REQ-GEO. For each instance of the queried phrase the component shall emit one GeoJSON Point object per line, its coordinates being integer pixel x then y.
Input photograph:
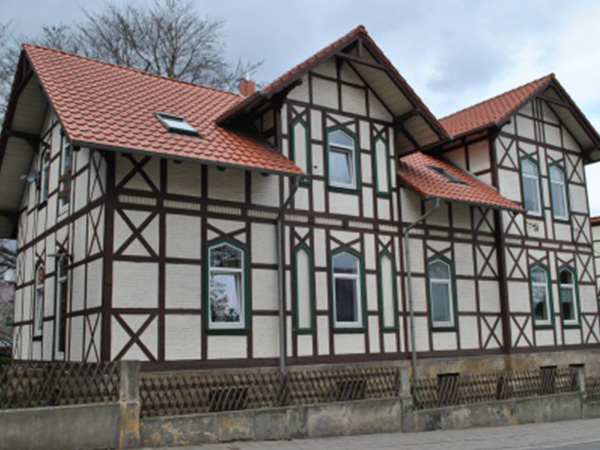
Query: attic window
{"type": "Point", "coordinates": [447, 175]}
{"type": "Point", "coordinates": [176, 124]}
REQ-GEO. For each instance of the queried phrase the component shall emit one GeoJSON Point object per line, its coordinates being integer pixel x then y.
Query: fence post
{"type": "Point", "coordinates": [578, 372]}
{"type": "Point", "coordinates": [406, 401]}
{"type": "Point", "coordinates": [129, 404]}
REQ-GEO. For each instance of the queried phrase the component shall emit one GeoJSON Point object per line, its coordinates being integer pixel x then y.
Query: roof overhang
{"type": "Point", "coordinates": [368, 62]}
{"type": "Point", "coordinates": [19, 141]}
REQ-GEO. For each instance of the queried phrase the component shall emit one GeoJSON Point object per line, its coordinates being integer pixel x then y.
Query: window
{"type": "Point", "coordinates": [347, 290]}
{"type": "Point", "coordinates": [62, 296]}
{"type": "Point", "coordinates": [568, 297]}
{"type": "Point", "coordinates": [532, 201]}
{"type": "Point", "coordinates": [342, 159]}
{"type": "Point", "coordinates": [300, 145]}
{"type": "Point", "coordinates": [440, 279]}
{"type": "Point", "coordinates": [44, 176]}
{"type": "Point", "coordinates": [388, 303]}
{"type": "Point", "coordinates": [447, 175]}
{"type": "Point", "coordinates": [38, 308]}
{"type": "Point", "coordinates": [226, 284]}
{"type": "Point", "coordinates": [176, 124]}
{"type": "Point", "coordinates": [303, 289]}
{"type": "Point", "coordinates": [558, 193]}
{"type": "Point", "coordinates": [65, 175]}
{"type": "Point", "coordinates": [540, 296]}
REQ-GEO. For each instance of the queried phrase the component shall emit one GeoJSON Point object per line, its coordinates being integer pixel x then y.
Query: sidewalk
{"type": "Point", "coordinates": [578, 434]}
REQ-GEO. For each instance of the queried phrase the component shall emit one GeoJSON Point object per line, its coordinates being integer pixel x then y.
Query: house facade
{"type": "Point", "coordinates": [193, 228]}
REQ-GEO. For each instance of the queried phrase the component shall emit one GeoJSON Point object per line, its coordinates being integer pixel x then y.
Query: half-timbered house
{"type": "Point", "coordinates": [328, 217]}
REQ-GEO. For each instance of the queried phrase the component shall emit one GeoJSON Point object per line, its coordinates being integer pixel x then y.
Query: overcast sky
{"type": "Point", "coordinates": [453, 53]}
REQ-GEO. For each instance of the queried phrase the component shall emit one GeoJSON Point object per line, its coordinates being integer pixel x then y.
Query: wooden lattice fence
{"type": "Point", "coordinates": [37, 383]}
{"type": "Point", "coordinates": [200, 392]}
{"type": "Point", "coordinates": [463, 389]}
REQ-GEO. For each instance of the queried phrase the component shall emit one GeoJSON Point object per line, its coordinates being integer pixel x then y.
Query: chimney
{"type": "Point", "coordinates": [247, 86]}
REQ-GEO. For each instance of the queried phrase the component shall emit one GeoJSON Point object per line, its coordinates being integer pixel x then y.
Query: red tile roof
{"type": "Point", "coordinates": [415, 172]}
{"type": "Point", "coordinates": [493, 110]}
{"type": "Point", "coordinates": [106, 105]}
{"type": "Point", "coordinates": [595, 220]}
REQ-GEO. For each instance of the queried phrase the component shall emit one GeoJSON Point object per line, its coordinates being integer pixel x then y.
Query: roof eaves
{"type": "Point", "coordinates": [212, 162]}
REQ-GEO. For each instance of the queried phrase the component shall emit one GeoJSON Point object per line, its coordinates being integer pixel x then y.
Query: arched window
{"type": "Point", "coordinates": [342, 159]}
{"type": "Point", "coordinates": [558, 193]}
{"type": "Point", "coordinates": [226, 286]}
{"type": "Point", "coordinates": [540, 296]}
{"type": "Point", "coordinates": [440, 288]}
{"type": "Point", "coordinates": [65, 175]}
{"type": "Point", "coordinates": [38, 307]}
{"type": "Point", "coordinates": [62, 304]}
{"type": "Point", "coordinates": [569, 304]}
{"type": "Point", "coordinates": [347, 290]}
{"type": "Point", "coordinates": [44, 176]}
{"type": "Point", "coordinates": [530, 180]}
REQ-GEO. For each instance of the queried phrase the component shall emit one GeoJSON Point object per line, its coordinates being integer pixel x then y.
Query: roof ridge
{"type": "Point", "coordinates": [550, 76]}
{"type": "Point", "coordinates": [131, 69]}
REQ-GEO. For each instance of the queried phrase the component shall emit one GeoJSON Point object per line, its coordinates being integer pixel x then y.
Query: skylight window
{"type": "Point", "coordinates": [176, 124]}
{"type": "Point", "coordinates": [447, 175]}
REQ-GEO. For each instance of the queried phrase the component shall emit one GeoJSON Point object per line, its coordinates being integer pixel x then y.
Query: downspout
{"type": "Point", "coordinates": [294, 183]}
{"type": "Point", "coordinates": [436, 205]}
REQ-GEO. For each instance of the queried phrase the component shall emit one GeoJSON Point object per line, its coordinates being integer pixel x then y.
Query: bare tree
{"type": "Point", "coordinates": [167, 38]}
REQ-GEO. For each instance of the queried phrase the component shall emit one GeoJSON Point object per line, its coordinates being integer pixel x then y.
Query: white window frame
{"type": "Point", "coordinates": [38, 306]}
{"type": "Point", "coordinates": [573, 287]}
{"type": "Point", "coordinates": [562, 185]}
{"type": "Point", "coordinates": [348, 150]}
{"type": "Point", "coordinates": [545, 285]}
{"type": "Point", "coordinates": [535, 178]}
{"type": "Point", "coordinates": [241, 324]}
{"type": "Point", "coordinates": [449, 283]}
{"type": "Point", "coordinates": [357, 277]}
{"type": "Point", "coordinates": [65, 200]}
{"type": "Point", "coordinates": [44, 176]}
{"type": "Point", "coordinates": [62, 282]}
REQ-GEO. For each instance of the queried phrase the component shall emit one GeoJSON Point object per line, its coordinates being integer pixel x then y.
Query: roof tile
{"type": "Point", "coordinates": [415, 171]}
{"type": "Point", "coordinates": [493, 110]}
{"type": "Point", "coordinates": [103, 104]}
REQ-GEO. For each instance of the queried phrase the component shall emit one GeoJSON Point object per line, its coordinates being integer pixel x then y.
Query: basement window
{"type": "Point", "coordinates": [176, 124]}
{"type": "Point", "coordinates": [447, 175]}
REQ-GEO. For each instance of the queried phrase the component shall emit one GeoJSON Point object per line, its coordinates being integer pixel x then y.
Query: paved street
{"type": "Point", "coordinates": [573, 435]}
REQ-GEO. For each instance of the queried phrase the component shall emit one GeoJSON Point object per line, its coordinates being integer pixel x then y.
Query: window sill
{"type": "Point", "coordinates": [37, 338]}
{"type": "Point", "coordinates": [226, 331]}
{"type": "Point", "coordinates": [564, 221]}
{"type": "Point", "coordinates": [63, 210]}
{"type": "Point", "coordinates": [544, 326]}
{"type": "Point", "coordinates": [42, 205]}
{"type": "Point", "coordinates": [349, 330]}
{"type": "Point", "coordinates": [344, 190]}
{"type": "Point", "coordinates": [444, 329]}
{"type": "Point", "coordinates": [571, 326]}
{"type": "Point", "coordinates": [304, 331]}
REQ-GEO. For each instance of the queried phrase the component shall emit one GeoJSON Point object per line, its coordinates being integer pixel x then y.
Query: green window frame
{"type": "Point", "coordinates": [299, 122]}
{"type": "Point", "coordinates": [393, 292]}
{"type": "Point", "coordinates": [241, 280]}
{"type": "Point", "coordinates": [434, 282]}
{"type": "Point", "coordinates": [538, 183]}
{"type": "Point", "coordinates": [378, 189]}
{"type": "Point", "coordinates": [565, 192]}
{"type": "Point", "coordinates": [565, 286]}
{"type": "Point", "coordinates": [343, 326]}
{"type": "Point", "coordinates": [303, 248]}
{"type": "Point", "coordinates": [536, 283]}
{"type": "Point", "coordinates": [354, 158]}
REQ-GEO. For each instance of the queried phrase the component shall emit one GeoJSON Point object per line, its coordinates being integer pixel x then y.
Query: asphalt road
{"type": "Point", "coordinates": [572, 435]}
